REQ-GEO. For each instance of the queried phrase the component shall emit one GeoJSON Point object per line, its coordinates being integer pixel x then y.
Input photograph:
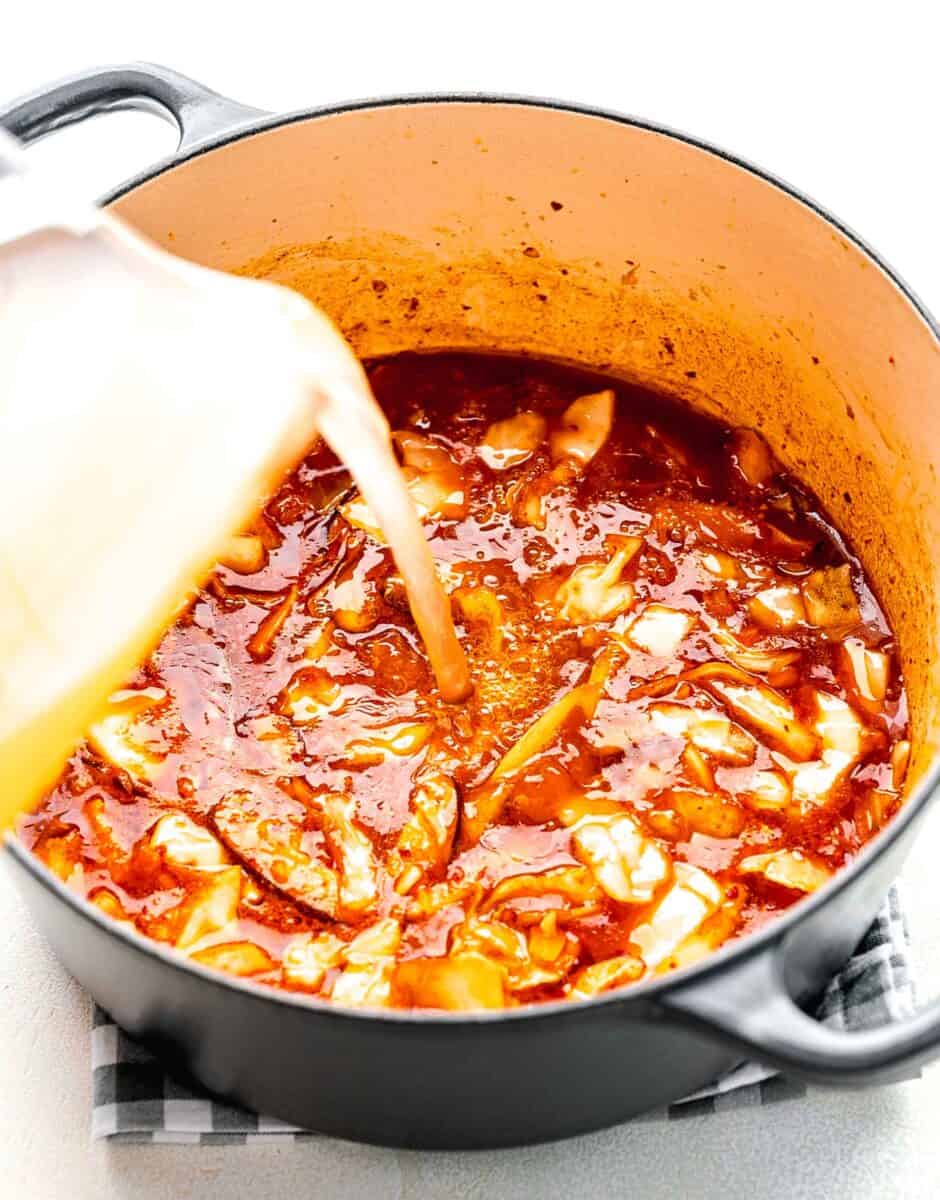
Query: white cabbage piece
{"type": "Point", "coordinates": [235, 958]}
{"type": "Point", "coordinates": [778, 608]}
{"type": "Point", "coordinates": [660, 630]}
{"type": "Point", "coordinates": [210, 908]}
{"type": "Point", "coordinates": [594, 592]}
{"type": "Point", "coordinates": [628, 866]}
{"type": "Point", "coordinates": [604, 975]}
{"type": "Point", "coordinates": [842, 735]}
{"type": "Point", "coordinates": [432, 478]}
{"type": "Point", "coordinates": [426, 838]}
{"type": "Point", "coordinates": [509, 949]}
{"type": "Point", "coordinates": [584, 427]}
{"type": "Point", "coordinates": [307, 959]}
{"type": "Point", "coordinates": [115, 738]}
{"type": "Point", "coordinates": [757, 706]}
{"type": "Point", "coordinates": [767, 791]}
{"type": "Point", "coordinates": [186, 844]}
{"type": "Point", "coordinates": [352, 852]}
{"type": "Point", "coordinates": [511, 442]}
{"type": "Point", "coordinates": [712, 732]}
{"type": "Point", "coordinates": [366, 981]}
{"type": "Point", "coordinates": [869, 670]}
{"type": "Point", "coordinates": [692, 899]}
{"type": "Point", "coordinates": [457, 983]}
{"type": "Point", "coordinates": [789, 868]}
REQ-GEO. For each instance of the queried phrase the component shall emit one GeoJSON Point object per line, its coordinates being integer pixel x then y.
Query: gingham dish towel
{"type": "Point", "coordinates": [137, 1100]}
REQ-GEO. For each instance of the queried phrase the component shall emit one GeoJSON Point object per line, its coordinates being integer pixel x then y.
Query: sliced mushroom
{"type": "Point", "coordinates": [276, 845]}
{"type": "Point", "coordinates": [830, 599]}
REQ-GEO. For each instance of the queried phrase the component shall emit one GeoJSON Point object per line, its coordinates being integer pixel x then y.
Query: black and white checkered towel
{"type": "Point", "coordinates": [136, 1100]}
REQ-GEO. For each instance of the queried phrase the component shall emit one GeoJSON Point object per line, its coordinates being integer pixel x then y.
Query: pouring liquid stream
{"type": "Point", "coordinates": [148, 408]}
{"type": "Point", "coordinates": [365, 449]}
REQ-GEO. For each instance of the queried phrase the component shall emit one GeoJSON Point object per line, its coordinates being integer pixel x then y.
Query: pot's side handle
{"type": "Point", "coordinates": [196, 111]}
{"type": "Point", "coordinates": [748, 1004]}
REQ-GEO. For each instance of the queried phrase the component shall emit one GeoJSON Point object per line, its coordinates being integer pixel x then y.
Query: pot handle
{"type": "Point", "coordinates": [197, 112]}
{"type": "Point", "coordinates": [749, 1005]}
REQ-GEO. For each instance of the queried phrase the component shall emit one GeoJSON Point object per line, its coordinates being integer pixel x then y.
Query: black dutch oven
{"type": "Point", "coordinates": [665, 261]}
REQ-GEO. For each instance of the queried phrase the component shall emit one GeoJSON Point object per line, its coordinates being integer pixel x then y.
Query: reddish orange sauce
{"type": "Point", "coordinates": [721, 717]}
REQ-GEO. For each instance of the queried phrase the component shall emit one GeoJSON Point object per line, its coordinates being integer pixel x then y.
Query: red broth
{"type": "Point", "coordinates": [688, 711]}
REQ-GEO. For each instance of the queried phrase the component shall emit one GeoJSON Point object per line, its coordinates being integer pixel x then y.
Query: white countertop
{"type": "Point", "coordinates": [844, 110]}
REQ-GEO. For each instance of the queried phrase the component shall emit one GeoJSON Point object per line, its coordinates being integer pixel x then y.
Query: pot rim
{"type": "Point", "coordinates": [762, 941]}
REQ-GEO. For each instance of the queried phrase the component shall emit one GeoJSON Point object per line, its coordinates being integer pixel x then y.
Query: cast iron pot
{"type": "Point", "coordinates": [527, 225]}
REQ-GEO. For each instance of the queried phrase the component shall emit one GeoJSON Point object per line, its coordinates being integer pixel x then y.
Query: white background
{"type": "Point", "coordinates": [840, 100]}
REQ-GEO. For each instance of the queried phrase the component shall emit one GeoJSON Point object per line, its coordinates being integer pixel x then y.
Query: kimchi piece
{"type": "Point", "coordinates": [688, 712]}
